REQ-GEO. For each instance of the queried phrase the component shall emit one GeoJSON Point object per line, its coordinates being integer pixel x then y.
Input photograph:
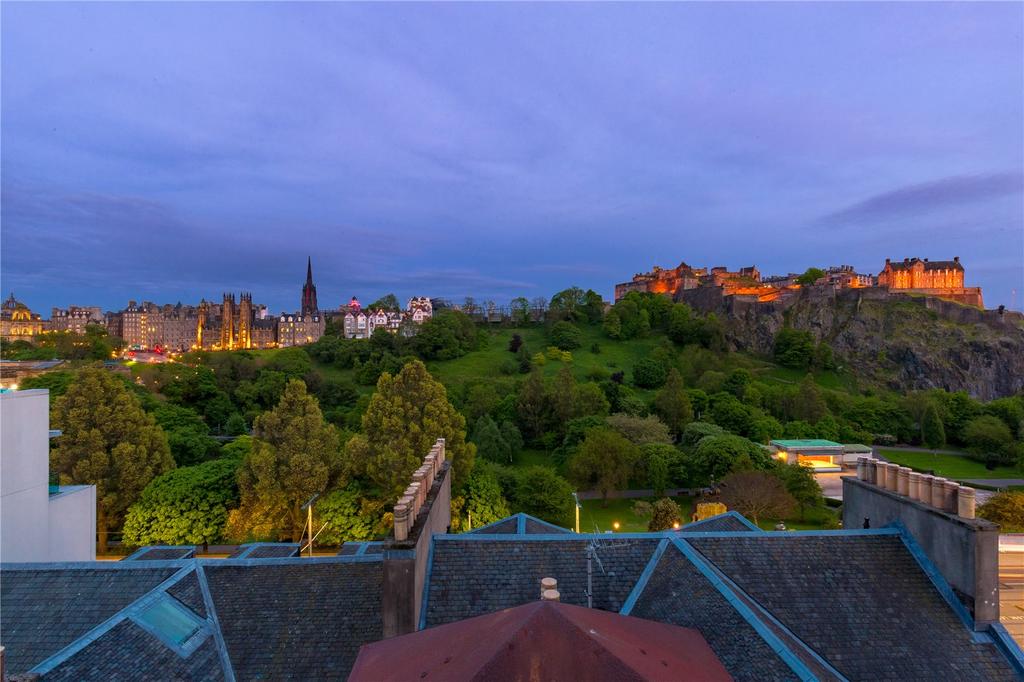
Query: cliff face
{"type": "Point", "coordinates": [894, 340]}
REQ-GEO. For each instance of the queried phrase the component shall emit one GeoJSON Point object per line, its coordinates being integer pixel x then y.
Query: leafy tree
{"type": "Point", "coordinates": [236, 425]}
{"type": "Point", "coordinates": [334, 392]}
{"type": "Point", "coordinates": [510, 434]}
{"type": "Point", "coordinates": [683, 327]}
{"type": "Point", "coordinates": [1006, 509]}
{"type": "Point", "coordinates": [694, 432]}
{"type": "Point", "coordinates": [757, 494]}
{"type": "Point", "coordinates": [520, 308]}
{"type": "Point", "coordinates": [731, 414]}
{"type": "Point", "coordinates": [295, 455]}
{"type": "Point", "coordinates": [808, 402]}
{"type": "Point", "coordinates": [794, 348]}
{"type": "Point", "coordinates": [659, 459]}
{"type": "Point", "coordinates": [188, 505]}
{"type": "Point", "coordinates": [406, 415]}
{"type": "Point", "coordinates": [823, 358]}
{"type": "Point", "coordinates": [187, 434]}
{"type": "Point", "coordinates": [665, 514]}
{"type": "Point", "coordinates": [386, 302]}
{"type": "Point", "coordinates": [107, 441]}
{"type": "Point", "coordinates": [648, 373]}
{"type": "Point", "coordinates": [543, 493]}
{"type": "Point", "coordinates": [612, 324]}
{"type": "Point", "coordinates": [566, 336]}
{"type": "Point", "coordinates": [293, 362]}
{"type": "Point", "coordinates": [480, 501]}
{"type": "Point", "coordinates": [737, 382]}
{"type": "Point", "coordinates": [986, 436]}
{"type": "Point", "coordinates": [532, 406]}
{"type": "Point", "coordinates": [672, 404]}
{"type": "Point", "coordinates": [716, 456]}
{"type": "Point", "coordinates": [603, 462]}
{"type": "Point", "coordinates": [810, 276]}
{"type": "Point", "coordinates": [56, 383]}
{"type": "Point", "coordinates": [933, 434]}
{"type": "Point", "coordinates": [640, 430]}
{"type": "Point", "coordinates": [447, 335]}
{"type": "Point", "coordinates": [569, 304]}
{"type": "Point", "coordinates": [489, 442]}
{"type": "Point", "coordinates": [481, 399]}
{"type": "Point", "coordinates": [800, 483]}
{"type": "Point", "coordinates": [515, 343]}
{"type": "Point", "coordinates": [351, 514]}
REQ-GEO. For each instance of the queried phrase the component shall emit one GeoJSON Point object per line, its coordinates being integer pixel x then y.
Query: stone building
{"type": "Point", "coordinates": [74, 319]}
{"type": "Point", "coordinates": [662, 281]}
{"type": "Point", "coordinates": [942, 279]}
{"type": "Point", "coordinates": [17, 322]}
{"type": "Point", "coordinates": [298, 330]}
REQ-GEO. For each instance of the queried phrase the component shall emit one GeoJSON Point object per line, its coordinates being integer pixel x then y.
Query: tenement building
{"type": "Point", "coordinates": [940, 278]}
{"type": "Point", "coordinates": [75, 318]}
{"type": "Point", "coordinates": [908, 592]}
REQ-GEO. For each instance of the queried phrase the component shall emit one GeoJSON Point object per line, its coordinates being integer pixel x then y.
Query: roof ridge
{"type": "Point", "coordinates": [211, 616]}
{"type": "Point", "coordinates": [707, 569]}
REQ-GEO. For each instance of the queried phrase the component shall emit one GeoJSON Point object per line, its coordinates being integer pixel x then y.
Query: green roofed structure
{"type": "Point", "coordinates": [822, 455]}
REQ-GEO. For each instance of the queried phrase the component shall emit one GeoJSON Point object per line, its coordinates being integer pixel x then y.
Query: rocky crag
{"type": "Point", "coordinates": [899, 341]}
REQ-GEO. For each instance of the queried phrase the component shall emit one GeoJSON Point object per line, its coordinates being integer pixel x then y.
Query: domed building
{"type": "Point", "coordinates": [17, 322]}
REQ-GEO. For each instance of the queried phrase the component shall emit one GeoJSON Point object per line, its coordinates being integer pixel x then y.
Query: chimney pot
{"type": "Point", "coordinates": [965, 502]}
{"type": "Point", "coordinates": [914, 488]}
{"type": "Point", "coordinates": [551, 595]}
{"type": "Point", "coordinates": [892, 472]}
{"type": "Point", "coordinates": [547, 584]}
{"type": "Point", "coordinates": [903, 481]}
{"type": "Point", "coordinates": [949, 503]}
{"type": "Point", "coordinates": [872, 470]}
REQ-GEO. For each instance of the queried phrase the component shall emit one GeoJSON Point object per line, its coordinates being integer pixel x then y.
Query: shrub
{"type": "Point", "coordinates": [648, 373]}
{"type": "Point", "coordinates": [566, 336]}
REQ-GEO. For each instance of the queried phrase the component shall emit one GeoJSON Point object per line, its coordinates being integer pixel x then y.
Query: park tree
{"type": "Point", "coordinates": [481, 399]}
{"type": "Point", "coordinates": [799, 482]}
{"type": "Point", "coordinates": [351, 513]}
{"type": "Point", "coordinates": [665, 514]}
{"type": "Point", "coordinates": [639, 430]}
{"type": "Point", "coordinates": [672, 404]}
{"type": "Point", "coordinates": [294, 456]}
{"type": "Point", "coordinates": [107, 441]}
{"type": "Point", "coordinates": [794, 348]}
{"type": "Point", "coordinates": [406, 415]}
{"type": "Point", "coordinates": [603, 462]}
{"type": "Point", "coordinates": [520, 308]}
{"type": "Point", "coordinates": [649, 373]}
{"type": "Point", "coordinates": [808, 404]}
{"type": "Point", "coordinates": [694, 432]}
{"type": "Point", "coordinates": [56, 383]}
{"type": "Point", "coordinates": [532, 405]}
{"type": "Point", "coordinates": [757, 494]}
{"type": "Point", "coordinates": [986, 436]}
{"type": "Point", "coordinates": [187, 505]}
{"type": "Point", "coordinates": [933, 434]}
{"type": "Point", "coordinates": [716, 456]}
{"type": "Point", "coordinates": [612, 324]}
{"type": "Point", "coordinates": [566, 336]}
{"type": "Point", "coordinates": [1006, 509]}
{"type": "Point", "coordinates": [386, 302]}
{"type": "Point", "coordinates": [659, 459]}
{"type": "Point", "coordinates": [569, 305]}
{"type": "Point", "coordinates": [490, 444]}
{"type": "Point", "coordinates": [479, 502]}
{"type": "Point", "coordinates": [543, 493]}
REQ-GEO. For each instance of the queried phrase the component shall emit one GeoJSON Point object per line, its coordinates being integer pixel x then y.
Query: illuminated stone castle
{"type": "Point", "coordinates": [17, 322]}
{"type": "Point", "coordinates": [942, 279]}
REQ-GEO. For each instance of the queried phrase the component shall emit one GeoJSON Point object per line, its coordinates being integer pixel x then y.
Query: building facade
{"type": "Point", "coordinates": [75, 319]}
{"type": "Point", "coordinates": [942, 279]}
{"type": "Point", "coordinates": [18, 323]}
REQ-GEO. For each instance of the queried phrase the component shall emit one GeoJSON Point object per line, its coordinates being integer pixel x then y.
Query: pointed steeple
{"type": "Point", "coordinates": [309, 271]}
{"type": "Point", "coordinates": [309, 306]}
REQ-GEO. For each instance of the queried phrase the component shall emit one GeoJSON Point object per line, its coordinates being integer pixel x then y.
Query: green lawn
{"type": "Point", "coordinates": [829, 379]}
{"type": "Point", "coordinates": [953, 467]}
{"type": "Point", "coordinates": [814, 519]}
{"type": "Point", "coordinates": [594, 514]}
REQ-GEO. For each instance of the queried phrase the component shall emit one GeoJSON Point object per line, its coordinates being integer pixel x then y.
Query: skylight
{"type": "Point", "coordinates": [171, 621]}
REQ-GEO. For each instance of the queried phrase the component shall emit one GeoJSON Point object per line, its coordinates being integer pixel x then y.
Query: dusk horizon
{"type": "Point", "coordinates": [174, 152]}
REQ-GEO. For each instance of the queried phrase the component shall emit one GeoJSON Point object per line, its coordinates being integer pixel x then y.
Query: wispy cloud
{"type": "Point", "coordinates": [926, 196]}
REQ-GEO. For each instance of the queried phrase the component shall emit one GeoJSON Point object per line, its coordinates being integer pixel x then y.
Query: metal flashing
{"type": "Point", "coordinates": [641, 583]}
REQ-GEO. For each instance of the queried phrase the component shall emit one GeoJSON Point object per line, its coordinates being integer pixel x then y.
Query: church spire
{"type": "Point", "coordinates": [309, 306]}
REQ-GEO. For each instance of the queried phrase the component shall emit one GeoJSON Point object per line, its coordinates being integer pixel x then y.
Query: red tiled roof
{"type": "Point", "coordinates": [543, 640]}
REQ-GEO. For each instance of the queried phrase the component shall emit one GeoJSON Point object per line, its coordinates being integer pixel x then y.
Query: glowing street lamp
{"type": "Point", "coordinates": [615, 525]}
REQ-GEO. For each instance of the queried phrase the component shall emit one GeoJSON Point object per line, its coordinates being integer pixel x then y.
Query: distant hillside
{"type": "Point", "coordinates": [896, 340]}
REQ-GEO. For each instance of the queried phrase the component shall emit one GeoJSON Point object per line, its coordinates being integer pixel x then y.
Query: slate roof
{"type": "Point", "coordinates": [291, 618]}
{"type": "Point", "coordinates": [361, 549]}
{"type": "Point", "coordinates": [729, 521]}
{"type": "Point", "coordinates": [519, 524]}
{"type": "Point", "coordinates": [474, 575]}
{"type": "Point", "coordinates": [296, 619]}
{"type": "Point", "coordinates": [159, 553]}
{"type": "Point", "coordinates": [45, 609]}
{"type": "Point", "coordinates": [861, 601]}
{"type": "Point", "coordinates": [266, 550]}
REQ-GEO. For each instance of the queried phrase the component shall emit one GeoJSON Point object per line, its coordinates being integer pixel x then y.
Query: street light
{"type": "Point", "coordinates": [576, 504]}
{"type": "Point", "coordinates": [615, 525]}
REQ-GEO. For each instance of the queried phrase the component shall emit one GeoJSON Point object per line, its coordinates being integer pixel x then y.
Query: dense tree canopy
{"type": "Point", "coordinates": [603, 462]}
{"type": "Point", "coordinates": [406, 415]}
{"type": "Point", "coordinates": [107, 441]}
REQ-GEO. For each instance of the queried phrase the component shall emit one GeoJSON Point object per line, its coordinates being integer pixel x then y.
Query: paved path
{"type": "Point", "coordinates": [630, 494]}
{"type": "Point", "coordinates": [996, 482]}
{"type": "Point", "coordinates": [908, 448]}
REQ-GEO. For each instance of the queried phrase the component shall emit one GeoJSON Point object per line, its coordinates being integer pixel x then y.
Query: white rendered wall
{"type": "Point", "coordinates": [33, 525]}
{"type": "Point", "coordinates": [72, 528]}
{"type": "Point", "coordinates": [24, 470]}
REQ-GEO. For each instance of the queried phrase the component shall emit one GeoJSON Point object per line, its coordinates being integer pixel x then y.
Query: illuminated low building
{"type": "Point", "coordinates": [821, 455]}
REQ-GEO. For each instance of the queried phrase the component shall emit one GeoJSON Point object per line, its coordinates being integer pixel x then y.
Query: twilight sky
{"type": "Point", "coordinates": [172, 151]}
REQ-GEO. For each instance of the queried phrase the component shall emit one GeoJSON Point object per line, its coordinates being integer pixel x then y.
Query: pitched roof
{"type": "Point", "coordinates": [543, 640]}
{"type": "Point", "coordinates": [475, 574]}
{"type": "Point", "coordinates": [214, 619]}
{"type": "Point", "coordinates": [161, 553]}
{"type": "Point", "coordinates": [519, 524]}
{"type": "Point", "coordinates": [729, 521]}
{"type": "Point", "coordinates": [266, 550]}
